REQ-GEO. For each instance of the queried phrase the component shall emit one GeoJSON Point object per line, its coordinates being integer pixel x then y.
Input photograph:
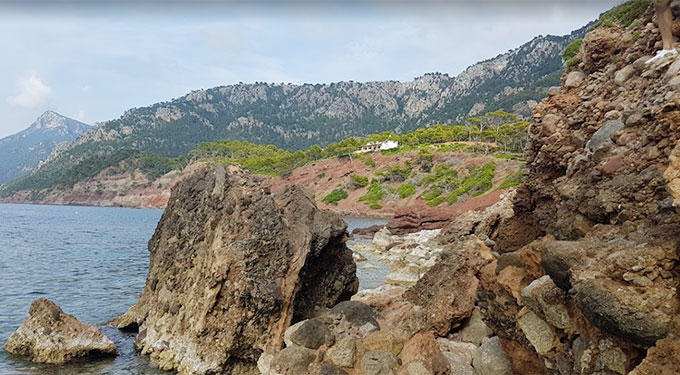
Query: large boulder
{"type": "Point", "coordinates": [232, 267]}
{"type": "Point", "coordinates": [49, 335]}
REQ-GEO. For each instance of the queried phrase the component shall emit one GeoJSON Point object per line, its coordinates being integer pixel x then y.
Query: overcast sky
{"type": "Point", "coordinates": [93, 62]}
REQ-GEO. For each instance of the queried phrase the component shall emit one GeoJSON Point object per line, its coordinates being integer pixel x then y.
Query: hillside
{"type": "Point", "coordinates": [20, 153]}
{"type": "Point", "coordinates": [441, 167]}
{"type": "Point", "coordinates": [296, 117]}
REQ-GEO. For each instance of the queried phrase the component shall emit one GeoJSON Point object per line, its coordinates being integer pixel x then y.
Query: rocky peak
{"type": "Point", "coordinates": [52, 121]}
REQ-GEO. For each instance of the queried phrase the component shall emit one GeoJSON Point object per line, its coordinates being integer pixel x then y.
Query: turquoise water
{"type": "Point", "coordinates": [92, 262]}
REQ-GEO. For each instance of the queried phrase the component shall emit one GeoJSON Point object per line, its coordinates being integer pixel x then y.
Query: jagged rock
{"type": "Point", "coordinates": [231, 267]}
{"type": "Point", "coordinates": [448, 291]}
{"type": "Point", "coordinates": [491, 359]}
{"type": "Point", "coordinates": [597, 291]}
{"type": "Point", "coordinates": [49, 335]}
{"type": "Point", "coordinates": [423, 349]}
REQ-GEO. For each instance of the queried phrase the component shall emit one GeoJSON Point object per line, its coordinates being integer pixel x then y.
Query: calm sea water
{"type": "Point", "coordinates": [93, 263]}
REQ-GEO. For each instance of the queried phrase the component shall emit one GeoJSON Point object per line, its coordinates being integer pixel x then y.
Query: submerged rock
{"type": "Point", "coordinates": [49, 335]}
{"type": "Point", "coordinates": [232, 267]}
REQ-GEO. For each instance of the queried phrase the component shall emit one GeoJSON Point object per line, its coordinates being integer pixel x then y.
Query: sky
{"type": "Point", "coordinates": [93, 60]}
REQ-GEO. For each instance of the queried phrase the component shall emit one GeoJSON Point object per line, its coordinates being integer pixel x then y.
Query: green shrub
{"type": "Point", "coordinates": [321, 175]}
{"type": "Point", "coordinates": [406, 190]}
{"type": "Point", "coordinates": [398, 173]}
{"type": "Point", "coordinates": [357, 181]}
{"type": "Point", "coordinates": [511, 181]}
{"type": "Point", "coordinates": [375, 205]}
{"type": "Point", "coordinates": [426, 160]}
{"type": "Point", "coordinates": [572, 49]}
{"type": "Point", "coordinates": [624, 14]}
{"type": "Point", "coordinates": [445, 186]}
{"type": "Point", "coordinates": [335, 196]}
{"type": "Point", "coordinates": [369, 161]}
{"type": "Point", "coordinates": [374, 194]}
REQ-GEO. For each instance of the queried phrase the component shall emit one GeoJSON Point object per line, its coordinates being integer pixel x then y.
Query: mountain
{"type": "Point", "coordinates": [298, 116]}
{"type": "Point", "coordinates": [20, 153]}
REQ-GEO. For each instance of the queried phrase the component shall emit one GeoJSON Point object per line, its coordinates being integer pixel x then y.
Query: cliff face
{"type": "Point", "coordinates": [232, 266]}
{"type": "Point", "coordinates": [588, 283]}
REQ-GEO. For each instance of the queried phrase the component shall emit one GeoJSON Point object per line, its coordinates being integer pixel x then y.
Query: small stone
{"type": "Point", "coordinates": [475, 330]}
{"type": "Point", "coordinates": [264, 363]}
{"type": "Point", "coordinates": [292, 361]}
{"type": "Point", "coordinates": [379, 363]}
{"type": "Point", "coordinates": [574, 79]}
{"type": "Point", "coordinates": [343, 353]}
{"type": "Point", "coordinates": [624, 74]}
{"type": "Point", "coordinates": [383, 341]}
{"type": "Point", "coordinates": [311, 334]}
{"type": "Point", "coordinates": [538, 332]}
{"type": "Point", "coordinates": [491, 359]}
{"type": "Point", "coordinates": [327, 369]}
{"type": "Point", "coordinates": [463, 351]}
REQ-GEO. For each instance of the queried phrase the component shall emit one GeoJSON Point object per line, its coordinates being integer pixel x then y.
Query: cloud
{"type": "Point", "coordinates": [81, 115]}
{"type": "Point", "coordinates": [33, 93]}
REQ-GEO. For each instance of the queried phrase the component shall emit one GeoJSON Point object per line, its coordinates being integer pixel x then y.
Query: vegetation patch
{"type": "Point", "coordinates": [406, 190]}
{"type": "Point", "coordinates": [511, 181]}
{"type": "Point", "coordinates": [335, 196]}
{"type": "Point", "coordinates": [624, 14]}
{"type": "Point", "coordinates": [444, 185]}
{"type": "Point", "coordinates": [374, 195]}
{"type": "Point", "coordinates": [357, 181]}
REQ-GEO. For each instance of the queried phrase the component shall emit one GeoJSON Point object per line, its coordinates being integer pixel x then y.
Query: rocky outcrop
{"type": "Point", "coordinates": [49, 335]}
{"type": "Point", "coordinates": [588, 283]}
{"type": "Point", "coordinates": [232, 267]}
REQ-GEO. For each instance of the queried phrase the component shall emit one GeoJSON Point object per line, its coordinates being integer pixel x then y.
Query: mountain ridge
{"type": "Point", "coordinates": [296, 117]}
{"type": "Point", "coordinates": [22, 152]}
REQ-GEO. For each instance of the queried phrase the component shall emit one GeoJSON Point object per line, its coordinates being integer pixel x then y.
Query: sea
{"type": "Point", "coordinates": [92, 262]}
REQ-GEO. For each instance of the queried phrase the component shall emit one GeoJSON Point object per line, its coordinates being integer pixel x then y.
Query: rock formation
{"type": "Point", "coordinates": [232, 267]}
{"type": "Point", "coordinates": [584, 276]}
{"type": "Point", "coordinates": [49, 335]}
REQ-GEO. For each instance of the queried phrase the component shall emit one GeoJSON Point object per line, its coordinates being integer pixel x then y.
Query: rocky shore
{"type": "Point", "coordinates": [576, 272]}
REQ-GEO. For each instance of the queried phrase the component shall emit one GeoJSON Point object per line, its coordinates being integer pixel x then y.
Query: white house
{"type": "Point", "coordinates": [379, 146]}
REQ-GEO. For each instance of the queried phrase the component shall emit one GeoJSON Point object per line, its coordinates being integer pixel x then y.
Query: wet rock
{"type": "Point", "coordinates": [491, 359]}
{"type": "Point", "coordinates": [238, 277]}
{"type": "Point", "coordinates": [49, 335]}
